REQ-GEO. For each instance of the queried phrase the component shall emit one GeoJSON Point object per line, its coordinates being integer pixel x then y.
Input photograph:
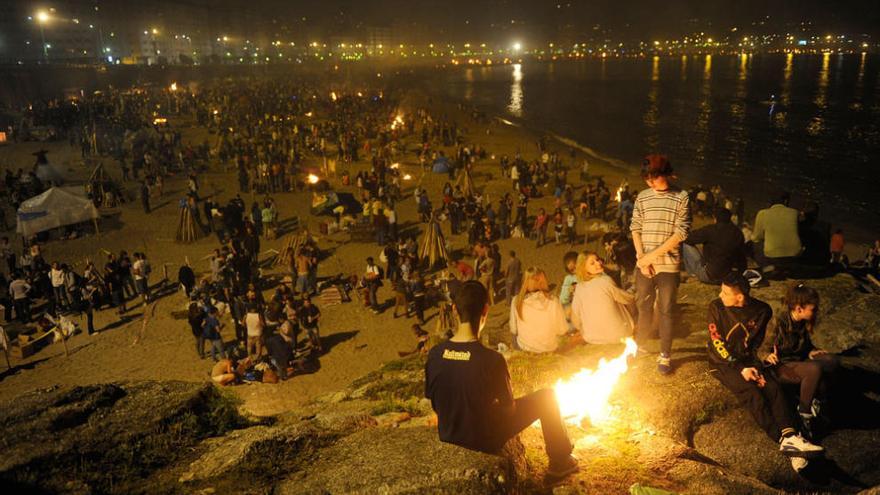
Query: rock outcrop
{"type": "Point", "coordinates": [682, 433]}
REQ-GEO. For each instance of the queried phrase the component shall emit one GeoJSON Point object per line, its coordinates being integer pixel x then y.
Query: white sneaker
{"type": "Point", "coordinates": [799, 464]}
{"type": "Point", "coordinates": [797, 446]}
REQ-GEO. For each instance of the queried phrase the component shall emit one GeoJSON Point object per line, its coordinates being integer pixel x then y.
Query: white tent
{"type": "Point", "coordinates": [54, 208]}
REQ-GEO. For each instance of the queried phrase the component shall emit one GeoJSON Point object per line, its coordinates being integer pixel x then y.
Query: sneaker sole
{"type": "Point", "coordinates": [562, 474]}
{"type": "Point", "coordinates": [812, 454]}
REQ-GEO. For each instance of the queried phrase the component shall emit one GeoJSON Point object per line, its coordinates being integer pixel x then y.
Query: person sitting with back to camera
{"type": "Point", "coordinates": [469, 388]}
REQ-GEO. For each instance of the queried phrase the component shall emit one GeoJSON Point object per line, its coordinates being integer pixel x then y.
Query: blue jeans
{"type": "Point", "coordinates": [694, 264]}
{"type": "Point", "coordinates": [217, 348]}
{"type": "Point", "coordinates": [663, 288]}
{"type": "Point", "coordinates": [302, 283]}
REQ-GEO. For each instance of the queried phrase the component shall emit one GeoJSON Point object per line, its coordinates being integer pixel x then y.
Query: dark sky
{"type": "Point", "coordinates": [490, 20]}
{"type": "Point", "coordinates": [654, 18]}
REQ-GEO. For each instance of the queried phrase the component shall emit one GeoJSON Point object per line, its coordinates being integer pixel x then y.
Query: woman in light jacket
{"type": "Point", "coordinates": [599, 309]}
{"type": "Point", "coordinates": [536, 316]}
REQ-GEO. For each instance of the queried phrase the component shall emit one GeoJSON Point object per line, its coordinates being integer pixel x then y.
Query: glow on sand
{"type": "Point", "coordinates": [585, 395]}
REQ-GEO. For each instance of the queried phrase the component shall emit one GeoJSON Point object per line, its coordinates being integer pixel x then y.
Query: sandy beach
{"type": "Point", "coordinates": [356, 340]}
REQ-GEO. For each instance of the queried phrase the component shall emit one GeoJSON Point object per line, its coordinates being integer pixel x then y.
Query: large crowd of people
{"type": "Point", "coordinates": [267, 131]}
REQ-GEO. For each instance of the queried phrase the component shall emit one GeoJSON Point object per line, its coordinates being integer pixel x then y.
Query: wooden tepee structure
{"type": "Point", "coordinates": [188, 230]}
{"type": "Point", "coordinates": [466, 183]}
{"type": "Point", "coordinates": [292, 242]}
{"type": "Point", "coordinates": [433, 248]}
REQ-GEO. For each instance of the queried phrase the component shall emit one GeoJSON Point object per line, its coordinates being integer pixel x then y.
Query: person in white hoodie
{"type": "Point", "coordinates": [599, 308]}
{"type": "Point", "coordinates": [536, 316]}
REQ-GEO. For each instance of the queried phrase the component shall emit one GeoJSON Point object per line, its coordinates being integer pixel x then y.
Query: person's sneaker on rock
{"type": "Point", "coordinates": [796, 445]}
{"type": "Point", "coordinates": [563, 467]}
{"type": "Point", "coordinates": [664, 364]}
{"type": "Point", "coordinates": [799, 464]}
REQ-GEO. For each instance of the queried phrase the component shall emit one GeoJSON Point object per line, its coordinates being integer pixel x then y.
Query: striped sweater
{"type": "Point", "coordinates": [658, 215]}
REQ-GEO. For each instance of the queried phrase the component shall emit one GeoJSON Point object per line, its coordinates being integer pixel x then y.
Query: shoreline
{"type": "Point", "coordinates": [858, 239]}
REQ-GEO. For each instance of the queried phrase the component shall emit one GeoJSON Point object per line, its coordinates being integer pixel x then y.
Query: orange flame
{"type": "Point", "coordinates": [585, 395]}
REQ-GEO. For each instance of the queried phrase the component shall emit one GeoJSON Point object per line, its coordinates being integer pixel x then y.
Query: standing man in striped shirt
{"type": "Point", "coordinates": [660, 223]}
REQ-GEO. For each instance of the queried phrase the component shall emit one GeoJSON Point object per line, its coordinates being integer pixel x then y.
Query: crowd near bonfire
{"type": "Point", "coordinates": [358, 155]}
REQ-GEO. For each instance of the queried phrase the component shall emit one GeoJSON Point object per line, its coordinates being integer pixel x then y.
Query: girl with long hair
{"type": "Point", "coordinates": [536, 316]}
{"type": "Point", "coordinates": [599, 309]}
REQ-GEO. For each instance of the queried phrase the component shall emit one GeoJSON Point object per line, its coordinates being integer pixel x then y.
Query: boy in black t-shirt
{"type": "Point", "coordinates": [469, 388]}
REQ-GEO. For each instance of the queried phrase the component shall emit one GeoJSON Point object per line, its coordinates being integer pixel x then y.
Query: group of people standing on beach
{"type": "Point", "coordinates": [264, 131]}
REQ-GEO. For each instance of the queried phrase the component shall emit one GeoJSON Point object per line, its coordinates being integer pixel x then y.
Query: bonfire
{"type": "Point", "coordinates": [584, 396]}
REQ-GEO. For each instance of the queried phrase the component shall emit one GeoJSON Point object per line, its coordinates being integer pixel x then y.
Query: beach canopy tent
{"type": "Point", "coordinates": [441, 165]}
{"type": "Point", "coordinates": [54, 208]}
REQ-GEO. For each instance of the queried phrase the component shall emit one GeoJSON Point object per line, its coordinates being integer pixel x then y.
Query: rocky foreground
{"type": "Point", "coordinates": [681, 433]}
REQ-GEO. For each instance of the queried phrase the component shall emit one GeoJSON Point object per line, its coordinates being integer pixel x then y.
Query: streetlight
{"type": "Point", "coordinates": [43, 18]}
{"type": "Point", "coordinates": [517, 46]}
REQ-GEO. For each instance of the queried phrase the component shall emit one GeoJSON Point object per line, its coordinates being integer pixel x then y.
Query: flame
{"type": "Point", "coordinates": [174, 86]}
{"type": "Point", "coordinates": [395, 166]}
{"type": "Point", "coordinates": [617, 196]}
{"type": "Point", "coordinates": [308, 114]}
{"type": "Point", "coordinates": [333, 95]}
{"type": "Point", "coordinates": [407, 177]}
{"type": "Point", "coordinates": [159, 120]}
{"type": "Point", "coordinates": [313, 179]}
{"type": "Point", "coordinates": [216, 112]}
{"type": "Point", "coordinates": [398, 122]}
{"type": "Point", "coordinates": [585, 395]}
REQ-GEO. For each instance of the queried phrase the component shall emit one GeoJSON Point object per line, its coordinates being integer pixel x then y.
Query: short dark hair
{"type": "Point", "coordinates": [569, 257]}
{"type": "Point", "coordinates": [737, 282]}
{"type": "Point", "coordinates": [469, 301]}
{"type": "Point", "coordinates": [655, 165]}
{"type": "Point", "coordinates": [722, 215]}
{"type": "Point", "coordinates": [782, 197]}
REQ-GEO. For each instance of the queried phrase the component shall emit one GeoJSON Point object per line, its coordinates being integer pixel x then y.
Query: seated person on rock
{"type": "Point", "coordinates": [737, 325]}
{"type": "Point", "coordinates": [797, 360]}
{"type": "Point", "coordinates": [600, 309]}
{"type": "Point", "coordinates": [775, 236]}
{"type": "Point", "coordinates": [223, 372]}
{"type": "Point", "coordinates": [723, 249]}
{"type": "Point", "coordinates": [469, 388]}
{"type": "Point", "coordinates": [537, 319]}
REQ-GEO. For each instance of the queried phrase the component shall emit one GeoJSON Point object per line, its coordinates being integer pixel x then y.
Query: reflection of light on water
{"type": "Point", "coordinates": [705, 113]}
{"type": "Point", "coordinates": [651, 117]}
{"type": "Point", "coordinates": [469, 83]}
{"type": "Point", "coordinates": [516, 93]}
{"type": "Point", "coordinates": [860, 80]}
{"type": "Point", "coordinates": [684, 66]}
{"type": "Point", "coordinates": [821, 100]}
{"type": "Point", "coordinates": [817, 125]}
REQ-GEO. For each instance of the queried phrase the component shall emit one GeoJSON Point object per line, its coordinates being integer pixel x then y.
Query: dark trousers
{"type": "Point", "coordinates": [767, 404]}
{"type": "Point", "coordinates": [663, 288]}
{"type": "Point", "coordinates": [90, 319]}
{"type": "Point", "coordinates": [810, 375]}
{"type": "Point", "coordinates": [23, 309]}
{"type": "Point", "coordinates": [542, 405]}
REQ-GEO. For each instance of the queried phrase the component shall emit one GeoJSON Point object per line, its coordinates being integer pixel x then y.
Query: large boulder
{"type": "Point", "coordinates": [107, 438]}
{"type": "Point", "coordinates": [401, 461]}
